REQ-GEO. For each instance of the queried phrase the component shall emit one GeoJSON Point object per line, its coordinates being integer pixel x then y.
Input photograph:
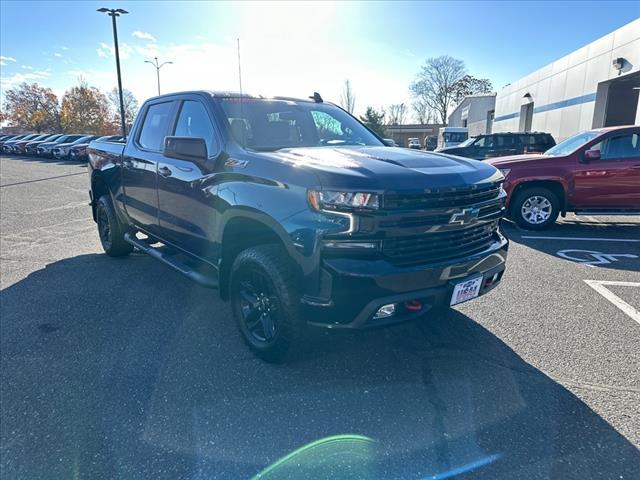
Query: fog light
{"type": "Point", "coordinates": [385, 311]}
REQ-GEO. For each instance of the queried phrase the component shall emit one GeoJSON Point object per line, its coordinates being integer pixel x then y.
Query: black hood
{"type": "Point", "coordinates": [386, 169]}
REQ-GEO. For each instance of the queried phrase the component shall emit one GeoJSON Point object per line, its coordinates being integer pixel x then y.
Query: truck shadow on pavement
{"type": "Point", "coordinates": [606, 246]}
{"type": "Point", "coordinates": [123, 369]}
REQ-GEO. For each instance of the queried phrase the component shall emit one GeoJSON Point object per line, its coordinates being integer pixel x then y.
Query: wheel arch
{"type": "Point", "coordinates": [555, 185]}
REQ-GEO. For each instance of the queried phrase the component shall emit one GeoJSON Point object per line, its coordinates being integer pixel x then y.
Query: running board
{"type": "Point", "coordinates": [183, 268]}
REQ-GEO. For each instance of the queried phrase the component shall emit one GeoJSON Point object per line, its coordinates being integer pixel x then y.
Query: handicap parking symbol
{"type": "Point", "coordinates": [589, 257]}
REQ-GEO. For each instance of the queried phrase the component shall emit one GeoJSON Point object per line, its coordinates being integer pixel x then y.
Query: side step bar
{"type": "Point", "coordinates": [174, 263]}
{"type": "Point", "coordinates": [607, 212]}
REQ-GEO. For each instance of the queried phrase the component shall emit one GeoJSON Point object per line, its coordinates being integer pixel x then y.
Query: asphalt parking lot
{"type": "Point", "coordinates": [121, 368]}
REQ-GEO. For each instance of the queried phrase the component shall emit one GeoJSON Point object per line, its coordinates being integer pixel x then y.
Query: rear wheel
{"type": "Point", "coordinates": [110, 230]}
{"type": "Point", "coordinates": [535, 208]}
{"type": "Point", "coordinates": [266, 303]}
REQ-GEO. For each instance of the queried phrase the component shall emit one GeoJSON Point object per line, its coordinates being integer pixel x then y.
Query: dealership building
{"type": "Point", "coordinates": [595, 86]}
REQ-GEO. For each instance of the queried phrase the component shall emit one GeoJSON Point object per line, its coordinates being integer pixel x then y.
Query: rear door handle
{"type": "Point", "coordinates": [635, 167]}
{"type": "Point", "coordinates": [164, 172]}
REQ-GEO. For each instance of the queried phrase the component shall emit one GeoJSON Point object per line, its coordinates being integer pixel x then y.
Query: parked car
{"type": "Point", "coordinates": [61, 150]}
{"type": "Point", "coordinates": [502, 144]}
{"type": "Point", "coordinates": [451, 136]}
{"type": "Point", "coordinates": [244, 196]}
{"type": "Point", "coordinates": [595, 172]}
{"type": "Point", "coordinates": [430, 143]}
{"type": "Point", "coordinates": [18, 148]}
{"type": "Point", "coordinates": [414, 143]}
{"type": "Point", "coordinates": [389, 142]}
{"type": "Point", "coordinates": [7, 146]}
{"type": "Point", "coordinates": [6, 138]}
{"type": "Point", "coordinates": [79, 151]}
{"type": "Point", "coordinates": [31, 147]}
{"type": "Point", "coordinates": [46, 149]}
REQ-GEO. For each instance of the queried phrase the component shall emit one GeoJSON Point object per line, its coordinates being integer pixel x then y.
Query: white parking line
{"type": "Point", "coordinates": [589, 239]}
{"type": "Point", "coordinates": [599, 286]}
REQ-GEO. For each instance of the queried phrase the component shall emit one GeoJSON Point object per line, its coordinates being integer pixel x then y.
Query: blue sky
{"type": "Point", "coordinates": [293, 48]}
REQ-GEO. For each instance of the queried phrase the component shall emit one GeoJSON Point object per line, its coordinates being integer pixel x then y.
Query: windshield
{"type": "Point", "coordinates": [571, 144]}
{"type": "Point", "coordinates": [468, 142]}
{"type": "Point", "coordinates": [455, 136]}
{"type": "Point", "coordinates": [274, 124]}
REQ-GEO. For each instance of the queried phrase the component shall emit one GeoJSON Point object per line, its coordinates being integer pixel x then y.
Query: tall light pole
{"type": "Point", "coordinates": [113, 13]}
{"type": "Point", "coordinates": [158, 67]}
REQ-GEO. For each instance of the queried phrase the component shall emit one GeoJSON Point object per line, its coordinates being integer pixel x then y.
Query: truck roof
{"type": "Point", "coordinates": [234, 94]}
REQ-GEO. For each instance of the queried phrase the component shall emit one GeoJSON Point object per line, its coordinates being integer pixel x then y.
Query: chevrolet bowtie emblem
{"type": "Point", "coordinates": [464, 217]}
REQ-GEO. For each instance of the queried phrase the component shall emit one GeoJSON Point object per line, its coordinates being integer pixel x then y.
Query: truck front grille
{"type": "Point", "coordinates": [442, 198]}
{"type": "Point", "coordinates": [441, 246]}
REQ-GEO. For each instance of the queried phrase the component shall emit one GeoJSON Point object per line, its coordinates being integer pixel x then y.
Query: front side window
{"type": "Point", "coordinates": [154, 128]}
{"type": "Point", "coordinates": [194, 121]}
{"type": "Point", "coordinates": [618, 147]}
{"type": "Point", "coordinates": [274, 124]}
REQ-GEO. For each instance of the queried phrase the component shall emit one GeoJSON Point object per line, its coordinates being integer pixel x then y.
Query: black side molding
{"type": "Point", "coordinates": [170, 260]}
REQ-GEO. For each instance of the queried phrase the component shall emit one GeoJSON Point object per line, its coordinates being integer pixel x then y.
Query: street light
{"type": "Point", "coordinates": [113, 13]}
{"type": "Point", "coordinates": [158, 67]}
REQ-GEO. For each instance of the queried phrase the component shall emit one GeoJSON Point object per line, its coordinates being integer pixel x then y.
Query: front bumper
{"type": "Point", "coordinates": [353, 290]}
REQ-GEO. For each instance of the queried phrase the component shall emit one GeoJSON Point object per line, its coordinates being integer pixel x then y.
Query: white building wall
{"type": "Point", "coordinates": [564, 91]}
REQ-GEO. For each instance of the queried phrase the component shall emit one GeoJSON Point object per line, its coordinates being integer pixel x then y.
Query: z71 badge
{"type": "Point", "coordinates": [232, 162]}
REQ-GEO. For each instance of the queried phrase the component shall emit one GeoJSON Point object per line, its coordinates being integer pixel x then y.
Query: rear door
{"type": "Point", "coordinates": [186, 214]}
{"type": "Point", "coordinates": [613, 180]}
{"type": "Point", "coordinates": [140, 162]}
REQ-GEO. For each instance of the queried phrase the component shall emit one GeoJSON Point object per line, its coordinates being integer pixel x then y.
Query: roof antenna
{"type": "Point", "coordinates": [316, 97]}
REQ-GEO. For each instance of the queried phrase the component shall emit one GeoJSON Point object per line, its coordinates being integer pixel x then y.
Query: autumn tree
{"type": "Point", "coordinates": [435, 84]}
{"type": "Point", "coordinates": [32, 107]}
{"type": "Point", "coordinates": [85, 109]}
{"type": "Point", "coordinates": [347, 97]}
{"type": "Point", "coordinates": [374, 120]}
{"type": "Point", "coordinates": [130, 107]}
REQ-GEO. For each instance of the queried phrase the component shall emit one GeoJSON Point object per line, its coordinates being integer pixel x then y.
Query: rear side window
{"type": "Point", "coordinates": [194, 121]}
{"type": "Point", "coordinates": [155, 125]}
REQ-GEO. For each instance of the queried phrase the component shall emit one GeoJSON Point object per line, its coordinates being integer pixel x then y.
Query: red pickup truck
{"type": "Point", "coordinates": [595, 172]}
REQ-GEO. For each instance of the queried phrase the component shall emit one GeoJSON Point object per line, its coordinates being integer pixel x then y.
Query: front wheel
{"type": "Point", "coordinates": [266, 303]}
{"type": "Point", "coordinates": [535, 208]}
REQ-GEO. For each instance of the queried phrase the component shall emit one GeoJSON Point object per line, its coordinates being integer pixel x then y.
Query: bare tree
{"type": "Point", "coordinates": [422, 112]}
{"type": "Point", "coordinates": [347, 97]}
{"type": "Point", "coordinates": [397, 114]}
{"type": "Point", "coordinates": [130, 106]}
{"type": "Point", "coordinates": [470, 85]}
{"type": "Point", "coordinates": [435, 83]}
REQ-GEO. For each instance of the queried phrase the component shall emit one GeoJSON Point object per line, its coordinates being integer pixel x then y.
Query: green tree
{"type": "Point", "coordinates": [32, 107]}
{"type": "Point", "coordinates": [374, 120]}
{"type": "Point", "coordinates": [85, 109]}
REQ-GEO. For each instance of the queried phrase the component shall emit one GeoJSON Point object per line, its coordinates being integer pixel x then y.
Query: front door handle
{"type": "Point", "coordinates": [635, 167]}
{"type": "Point", "coordinates": [164, 172]}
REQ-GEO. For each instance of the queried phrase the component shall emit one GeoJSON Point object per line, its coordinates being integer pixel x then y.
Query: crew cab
{"type": "Point", "coordinates": [297, 213]}
{"type": "Point", "coordinates": [593, 173]}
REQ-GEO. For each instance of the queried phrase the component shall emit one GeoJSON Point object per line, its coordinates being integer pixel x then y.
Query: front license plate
{"type": "Point", "coordinates": [466, 290]}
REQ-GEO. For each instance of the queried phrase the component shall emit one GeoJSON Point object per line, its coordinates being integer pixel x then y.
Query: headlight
{"type": "Point", "coordinates": [332, 200]}
{"type": "Point", "coordinates": [505, 171]}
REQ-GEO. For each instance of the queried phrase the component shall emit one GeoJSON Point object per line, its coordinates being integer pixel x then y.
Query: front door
{"type": "Point", "coordinates": [139, 165]}
{"type": "Point", "coordinates": [185, 208]}
{"type": "Point", "coordinates": [613, 180]}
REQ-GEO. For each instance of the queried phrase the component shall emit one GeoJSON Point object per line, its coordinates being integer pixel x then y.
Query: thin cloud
{"type": "Point", "coordinates": [18, 78]}
{"type": "Point", "coordinates": [27, 67]}
{"type": "Point", "coordinates": [144, 36]}
{"type": "Point", "coordinates": [105, 50]}
{"type": "Point", "coordinates": [4, 60]}
{"type": "Point", "coordinates": [57, 54]}
{"type": "Point", "coordinates": [64, 48]}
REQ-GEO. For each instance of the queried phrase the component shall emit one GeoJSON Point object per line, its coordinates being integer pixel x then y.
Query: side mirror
{"type": "Point", "coordinates": [185, 148]}
{"type": "Point", "coordinates": [591, 155]}
{"type": "Point", "coordinates": [389, 142]}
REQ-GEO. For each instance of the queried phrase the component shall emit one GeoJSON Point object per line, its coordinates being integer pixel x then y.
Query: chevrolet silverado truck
{"type": "Point", "coordinates": [593, 173]}
{"type": "Point", "coordinates": [297, 213]}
